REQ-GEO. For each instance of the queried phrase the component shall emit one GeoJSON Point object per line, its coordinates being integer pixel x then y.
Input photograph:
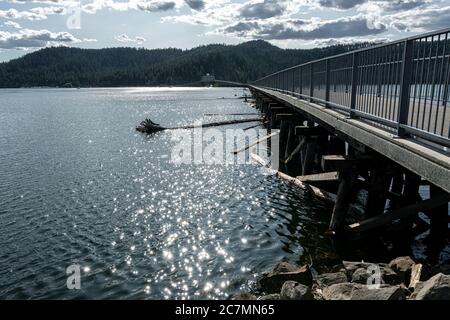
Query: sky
{"type": "Point", "coordinates": [29, 25]}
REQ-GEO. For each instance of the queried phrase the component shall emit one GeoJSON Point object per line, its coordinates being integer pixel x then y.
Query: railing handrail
{"type": "Point", "coordinates": [420, 63]}
{"type": "Point", "coordinates": [381, 45]}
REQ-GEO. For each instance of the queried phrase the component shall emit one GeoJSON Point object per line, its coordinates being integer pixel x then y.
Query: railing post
{"type": "Point", "coordinates": [327, 83]}
{"type": "Point", "coordinates": [286, 81]}
{"type": "Point", "coordinates": [301, 82]}
{"type": "Point", "coordinates": [355, 67]}
{"type": "Point", "coordinates": [293, 81]}
{"type": "Point", "coordinates": [311, 83]}
{"type": "Point", "coordinates": [407, 64]}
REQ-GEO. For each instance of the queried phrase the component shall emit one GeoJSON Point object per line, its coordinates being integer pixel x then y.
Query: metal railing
{"type": "Point", "coordinates": [403, 85]}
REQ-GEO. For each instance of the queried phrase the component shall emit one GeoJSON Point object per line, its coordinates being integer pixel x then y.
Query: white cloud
{"type": "Point", "coordinates": [27, 38]}
{"type": "Point", "coordinates": [144, 5]}
{"type": "Point", "coordinates": [275, 29]}
{"type": "Point", "coordinates": [125, 38]}
{"type": "Point", "coordinates": [275, 20]}
{"type": "Point", "coordinates": [15, 14]}
{"type": "Point", "coordinates": [12, 24]}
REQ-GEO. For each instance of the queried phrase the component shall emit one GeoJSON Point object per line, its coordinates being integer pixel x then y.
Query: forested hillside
{"type": "Point", "coordinates": [138, 67]}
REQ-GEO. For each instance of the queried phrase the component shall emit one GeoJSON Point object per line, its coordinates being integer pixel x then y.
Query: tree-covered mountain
{"type": "Point", "coordinates": [138, 67]}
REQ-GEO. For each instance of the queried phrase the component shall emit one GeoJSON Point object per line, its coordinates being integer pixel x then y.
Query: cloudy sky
{"type": "Point", "coordinates": [27, 25]}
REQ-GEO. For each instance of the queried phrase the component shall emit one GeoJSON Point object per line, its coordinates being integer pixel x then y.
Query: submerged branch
{"type": "Point", "coordinates": [148, 126]}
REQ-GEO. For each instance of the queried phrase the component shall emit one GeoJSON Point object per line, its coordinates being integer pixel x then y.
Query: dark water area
{"type": "Point", "coordinates": [78, 185]}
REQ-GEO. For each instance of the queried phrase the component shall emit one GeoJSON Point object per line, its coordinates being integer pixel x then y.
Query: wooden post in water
{"type": "Point", "coordinates": [347, 179]}
{"type": "Point", "coordinates": [288, 142]}
{"type": "Point", "coordinates": [284, 136]}
{"type": "Point", "coordinates": [336, 146]}
{"type": "Point", "coordinates": [378, 190]}
{"type": "Point", "coordinates": [397, 181]}
{"type": "Point", "coordinates": [292, 156]}
{"type": "Point", "coordinates": [410, 196]}
{"type": "Point", "coordinates": [309, 155]}
{"type": "Point", "coordinates": [438, 217]}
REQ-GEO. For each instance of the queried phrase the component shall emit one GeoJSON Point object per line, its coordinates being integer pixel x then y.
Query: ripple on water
{"type": "Point", "coordinates": [81, 187]}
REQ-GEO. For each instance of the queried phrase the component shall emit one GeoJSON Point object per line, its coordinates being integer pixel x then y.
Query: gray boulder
{"type": "Point", "coordinates": [356, 291]}
{"type": "Point", "coordinates": [292, 290]}
{"type": "Point", "coordinates": [387, 293]}
{"type": "Point", "coordinates": [243, 296]}
{"type": "Point", "coordinates": [362, 275]}
{"type": "Point", "coordinates": [403, 266]}
{"type": "Point", "coordinates": [328, 279]}
{"type": "Point", "coordinates": [273, 281]}
{"type": "Point", "coordinates": [416, 289]}
{"type": "Point", "coordinates": [274, 296]}
{"type": "Point", "coordinates": [350, 267]}
{"type": "Point", "coordinates": [339, 291]}
{"type": "Point", "coordinates": [436, 288]}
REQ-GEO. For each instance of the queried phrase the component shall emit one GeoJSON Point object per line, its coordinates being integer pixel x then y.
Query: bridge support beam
{"type": "Point", "coordinates": [438, 215]}
{"type": "Point", "coordinates": [347, 178]}
{"type": "Point", "coordinates": [378, 190]}
{"type": "Point", "coordinates": [368, 159]}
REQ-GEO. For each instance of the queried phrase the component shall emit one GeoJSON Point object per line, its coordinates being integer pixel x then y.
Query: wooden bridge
{"type": "Point", "coordinates": [214, 81]}
{"type": "Point", "coordinates": [372, 121]}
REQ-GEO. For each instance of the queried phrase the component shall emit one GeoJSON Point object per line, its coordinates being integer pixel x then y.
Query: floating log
{"type": "Point", "coordinates": [314, 190]}
{"type": "Point", "coordinates": [259, 160]}
{"type": "Point", "coordinates": [231, 114]}
{"type": "Point", "coordinates": [257, 125]}
{"type": "Point", "coordinates": [148, 126]}
{"type": "Point", "coordinates": [319, 193]}
{"type": "Point", "coordinates": [401, 213]}
{"type": "Point", "coordinates": [248, 146]}
{"type": "Point", "coordinates": [325, 195]}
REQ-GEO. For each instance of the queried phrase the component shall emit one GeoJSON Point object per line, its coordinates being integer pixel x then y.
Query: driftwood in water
{"type": "Point", "coordinates": [257, 125]}
{"type": "Point", "coordinates": [148, 126]}
{"type": "Point", "coordinates": [232, 114]}
{"type": "Point", "coordinates": [314, 190]}
{"type": "Point", "coordinates": [248, 146]}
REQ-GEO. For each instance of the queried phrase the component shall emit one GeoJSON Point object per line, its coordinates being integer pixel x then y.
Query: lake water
{"type": "Point", "coordinates": [79, 186]}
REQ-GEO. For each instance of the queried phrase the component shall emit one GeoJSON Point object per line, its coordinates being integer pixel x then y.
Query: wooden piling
{"type": "Point", "coordinates": [336, 146]}
{"type": "Point", "coordinates": [347, 179]}
{"type": "Point", "coordinates": [378, 190]}
{"type": "Point", "coordinates": [309, 156]}
{"type": "Point", "coordinates": [284, 136]}
{"type": "Point", "coordinates": [292, 159]}
{"type": "Point", "coordinates": [397, 186]}
{"type": "Point", "coordinates": [438, 216]}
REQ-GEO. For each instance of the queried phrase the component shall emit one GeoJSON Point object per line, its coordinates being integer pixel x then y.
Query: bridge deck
{"type": "Point", "coordinates": [428, 163]}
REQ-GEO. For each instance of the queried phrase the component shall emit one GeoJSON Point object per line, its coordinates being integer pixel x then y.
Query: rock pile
{"type": "Point", "coordinates": [401, 279]}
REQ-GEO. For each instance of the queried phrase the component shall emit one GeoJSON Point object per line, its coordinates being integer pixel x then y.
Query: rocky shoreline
{"type": "Point", "coordinates": [400, 279]}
